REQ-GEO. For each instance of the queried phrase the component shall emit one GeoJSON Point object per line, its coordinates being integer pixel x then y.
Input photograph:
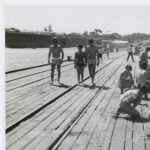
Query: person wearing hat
{"type": "Point", "coordinates": [57, 54]}
{"type": "Point", "coordinates": [130, 52]}
{"type": "Point", "coordinates": [92, 58]}
{"type": "Point", "coordinates": [80, 63]}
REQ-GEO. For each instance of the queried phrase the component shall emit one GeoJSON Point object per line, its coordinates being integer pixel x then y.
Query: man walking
{"type": "Point", "coordinates": [92, 55]}
{"type": "Point", "coordinates": [57, 54]}
{"type": "Point", "coordinates": [130, 52]}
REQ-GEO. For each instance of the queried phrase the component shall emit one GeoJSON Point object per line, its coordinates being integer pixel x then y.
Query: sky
{"type": "Point", "coordinates": [79, 17]}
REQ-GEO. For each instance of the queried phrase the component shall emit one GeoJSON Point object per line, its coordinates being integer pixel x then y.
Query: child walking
{"type": "Point", "coordinates": [126, 79]}
{"type": "Point", "coordinates": [79, 63]}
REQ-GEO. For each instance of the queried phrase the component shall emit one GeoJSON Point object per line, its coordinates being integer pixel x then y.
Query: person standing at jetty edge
{"type": "Point", "coordinates": [92, 54]}
{"type": "Point", "coordinates": [80, 62]}
{"type": "Point", "coordinates": [130, 52]}
{"type": "Point", "coordinates": [55, 50]}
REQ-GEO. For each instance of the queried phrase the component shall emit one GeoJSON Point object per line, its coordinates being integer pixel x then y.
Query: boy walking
{"type": "Point", "coordinates": [57, 54]}
{"type": "Point", "coordinates": [92, 55]}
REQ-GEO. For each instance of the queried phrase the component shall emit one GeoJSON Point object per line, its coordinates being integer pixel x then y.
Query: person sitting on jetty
{"type": "Point", "coordinates": [126, 80]}
{"type": "Point", "coordinates": [57, 58]}
{"type": "Point", "coordinates": [142, 76]}
{"type": "Point", "coordinates": [130, 99]}
{"type": "Point", "coordinates": [92, 55]}
{"type": "Point", "coordinates": [130, 52]}
{"type": "Point", "coordinates": [79, 63]}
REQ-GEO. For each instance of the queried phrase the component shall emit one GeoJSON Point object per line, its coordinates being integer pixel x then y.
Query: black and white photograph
{"type": "Point", "coordinates": [76, 75]}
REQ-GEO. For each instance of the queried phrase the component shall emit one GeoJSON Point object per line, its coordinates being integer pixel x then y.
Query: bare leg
{"type": "Point", "coordinates": [59, 72]}
{"type": "Point", "coordinates": [132, 57]}
{"type": "Point", "coordinates": [90, 72]}
{"type": "Point", "coordinates": [78, 74]}
{"type": "Point", "coordinates": [52, 72]}
{"type": "Point", "coordinates": [122, 90]}
{"type": "Point", "coordinates": [108, 55]}
{"type": "Point", "coordinates": [82, 74]}
{"type": "Point", "coordinates": [128, 56]}
{"type": "Point", "coordinates": [93, 67]}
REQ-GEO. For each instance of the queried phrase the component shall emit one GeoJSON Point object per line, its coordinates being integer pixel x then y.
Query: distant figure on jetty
{"type": "Point", "coordinates": [92, 55]}
{"type": "Point", "coordinates": [117, 49]}
{"type": "Point", "coordinates": [80, 62]}
{"type": "Point", "coordinates": [100, 53]}
{"type": "Point", "coordinates": [130, 52]}
{"type": "Point", "coordinates": [57, 54]}
{"type": "Point", "coordinates": [107, 52]}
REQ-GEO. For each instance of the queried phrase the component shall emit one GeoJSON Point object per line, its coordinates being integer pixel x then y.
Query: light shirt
{"type": "Point", "coordinates": [131, 49]}
{"type": "Point", "coordinates": [100, 51]}
{"type": "Point", "coordinates": [129, 97]}
{"type": "Point", "coordinates": [141, 77]}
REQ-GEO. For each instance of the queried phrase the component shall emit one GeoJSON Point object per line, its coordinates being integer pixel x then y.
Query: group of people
{"type": "Point", "coordinates": [90, 57]}
{"type": "Point", "coordinates": [133, 92]}
{"type": "Point", "coordinates": [130, 97]}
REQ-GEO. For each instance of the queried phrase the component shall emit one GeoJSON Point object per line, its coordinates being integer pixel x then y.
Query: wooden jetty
{"type": "Point", "coordinates": [41, 116]}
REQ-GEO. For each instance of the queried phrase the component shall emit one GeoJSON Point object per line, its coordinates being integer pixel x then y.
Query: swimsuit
{"type": "Point", "coordinates": [91, 61]}
{"type": "Point", "coordinates": [56, 61]}
{"type": "Point", "coordinates": [80, 56]}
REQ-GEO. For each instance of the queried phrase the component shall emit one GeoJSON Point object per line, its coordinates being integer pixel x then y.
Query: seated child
{"type": "Point", "coordinates": [130, 99]}
{"type": "Point", "coordinates": [80, 63]}
{"type": "Point", "coordinates": [126, 79]}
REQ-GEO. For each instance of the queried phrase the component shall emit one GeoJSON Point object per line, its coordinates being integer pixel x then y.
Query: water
{"type": "Point", "coordinates": [28, 57]}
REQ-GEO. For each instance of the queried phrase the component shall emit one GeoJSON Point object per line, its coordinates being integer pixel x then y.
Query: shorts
{"type": "Point", "coordinates": [56, 61]}
{"type": "Point", "coordinates": [80, 64]}
{"type": "Point", "coordinates": [100, 55]}
{"type": "Point", "coordinates": [91, 61]}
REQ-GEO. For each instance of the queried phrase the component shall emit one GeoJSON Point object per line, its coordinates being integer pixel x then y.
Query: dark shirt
{"type": "Point", "coordinates": [80, 57]}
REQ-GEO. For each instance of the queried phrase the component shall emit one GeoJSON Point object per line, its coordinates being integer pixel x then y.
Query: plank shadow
{"type": "Point", "coordinates": [95, 87]}
{"type": "Point", "coordinates": [138, 120]}
{"type": "Point", "coordinates": [131, 118]}
{"type": "Point", "coordinates": [61, 85]}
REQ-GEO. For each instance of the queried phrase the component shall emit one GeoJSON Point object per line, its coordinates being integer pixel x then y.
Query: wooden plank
{"type": "Point", "coordinates": [47, 142]}
{"type": "Point", "coordinates": [20, 74]}
{"type": "Point", "coordinates": [28, 103]}
{"type": "Point", "coordinates": [129, 134]}
{"type": "Point", "coordinates": [27, 80]}
{"type": "Point", "coordinates": [49, 112]}
{"type": "Point", "coordinates": [42, 127]}
{"type": "Point", "coordinates": [70, 139]}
